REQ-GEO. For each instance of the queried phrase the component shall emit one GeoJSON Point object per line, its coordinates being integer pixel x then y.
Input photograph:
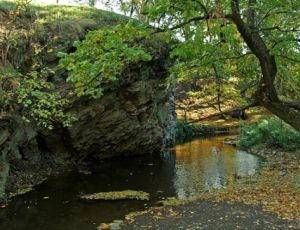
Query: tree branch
{"type": "Point", "coordinates": [202, 6]}
{"type": "Point", "coordinates": [295, 105]}
{"type": "Point", "coordinates": [189, 21]}
{"type": "Point", "coordinates": [225, 112]}
{"type": "Point", "coordinates": [288, 58]}
{"type": "Point", "coordinates": [251, 14]}
{"type": "Point", "coordinates": [280, 29]}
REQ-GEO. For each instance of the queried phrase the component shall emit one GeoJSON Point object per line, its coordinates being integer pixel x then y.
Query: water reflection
{"type": "Point", "coordinates": [188, 169]}
{"type": "Point", "coordinates": [203, 165]}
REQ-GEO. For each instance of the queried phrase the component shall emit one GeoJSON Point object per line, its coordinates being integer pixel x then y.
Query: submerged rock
{"type": "Point", "coordinates": [118, 195]}
{"type": "Point", "coordinates": [21, 192]}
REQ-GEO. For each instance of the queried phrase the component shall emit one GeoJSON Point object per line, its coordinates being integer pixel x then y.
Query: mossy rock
{"type": "Point", "coordinates": [118, 195]}
{"type": "Point", "coordinates": [170, 201]}
{"type": "Point", "coordinates": [21, 192]}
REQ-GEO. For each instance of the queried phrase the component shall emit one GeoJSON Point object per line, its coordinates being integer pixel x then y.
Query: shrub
{"type": "Point", "coordinates": [270, 132]}
{"type": "Point", "coordinates": [184, 130]}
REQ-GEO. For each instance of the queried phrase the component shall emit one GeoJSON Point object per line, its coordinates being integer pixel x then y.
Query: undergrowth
{"type": "Point", "coordinates": [186, 130]}
{"type": "Point", "coordinates": [271, 133]}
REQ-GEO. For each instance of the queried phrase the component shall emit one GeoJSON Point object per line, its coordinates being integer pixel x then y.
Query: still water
{"type": "Point", "coordinates": [186, 170]}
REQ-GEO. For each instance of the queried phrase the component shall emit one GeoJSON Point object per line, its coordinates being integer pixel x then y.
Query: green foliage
{"type": "Point", "coordinates": [102, 56]}
{"type": "Point", "coordinates": [272, 133]}
{"type": "Point", "coordinates": [185, 130]}
{"type": "Point", "coordinates": [57, 13]}
{"type": "Point", "coordinates": [8, 86]}
{"type": "Point", "coordinates": [41, 32]}
{"type": "Point", "coordinates": [33, 97]}
{"type": "Point", "coordinates": [209, 45]}
{"type": "Point", "coordinates": [30, 37]}
{"type": "Point", "coordinates": [46, 107]}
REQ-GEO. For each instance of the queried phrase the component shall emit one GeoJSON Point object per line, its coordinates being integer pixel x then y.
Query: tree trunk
{"type": "Point", "coordinates": [284, 112]}
{"type": "Point", "coordinates": [266, 94]}
{"type": "Point", "coordinates": [218, 84]}
{"type": "Point", "coordinates": [225, 113]}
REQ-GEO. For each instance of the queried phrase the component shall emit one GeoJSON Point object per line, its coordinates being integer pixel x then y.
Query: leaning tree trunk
{"type": "Point", "coordinates": [284, 112]}
{"type": "Point", "coordinates": [266, 94]}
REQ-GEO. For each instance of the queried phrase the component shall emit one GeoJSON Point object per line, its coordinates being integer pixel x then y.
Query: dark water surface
{"type": "Point", "coordinates": [184, 171]}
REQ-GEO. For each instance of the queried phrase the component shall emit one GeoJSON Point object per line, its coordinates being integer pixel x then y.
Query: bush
{"type": "Point", "coordinates": [184, 130]}
{"type": "Point", "coordinates": [271, 133]}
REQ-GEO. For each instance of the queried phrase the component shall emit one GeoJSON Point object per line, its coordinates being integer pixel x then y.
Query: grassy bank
{"type": "Point", "coordinates": [270, 132]}
{"type": "Point", "coordinates": [51, 13]}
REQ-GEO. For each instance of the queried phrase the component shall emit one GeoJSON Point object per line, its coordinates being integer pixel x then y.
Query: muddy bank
{"type": "Point", "coordinates": [276, 189]}
{"type": "Point", "coordinates": [269, 200]}
{"type": "Point", "coordinates": [209, 215]}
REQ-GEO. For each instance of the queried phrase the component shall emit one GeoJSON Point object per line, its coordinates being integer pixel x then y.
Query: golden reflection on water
{"type": "Point", "coordinates": [202, 165]}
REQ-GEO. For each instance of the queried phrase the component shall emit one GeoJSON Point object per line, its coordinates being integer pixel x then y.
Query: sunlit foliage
{"type": "Point", "coordinates": [102, 57]}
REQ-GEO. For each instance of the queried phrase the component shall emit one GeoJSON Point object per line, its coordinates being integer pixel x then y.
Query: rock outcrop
{"type": "Point", "coordinates": [135, 116]}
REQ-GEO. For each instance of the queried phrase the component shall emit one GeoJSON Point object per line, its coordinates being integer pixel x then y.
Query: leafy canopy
{"type": "Point", "coordinates": [253, 44]}
{"type": "Point", "coordinates": [207, 41]}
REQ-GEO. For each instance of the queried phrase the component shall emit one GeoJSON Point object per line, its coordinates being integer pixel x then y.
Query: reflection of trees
{"type": "Point", "coordinates": [207, 164]}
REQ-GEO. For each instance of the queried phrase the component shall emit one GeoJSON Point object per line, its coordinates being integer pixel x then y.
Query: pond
{"type": "Point", "coordinates": [184, 171]}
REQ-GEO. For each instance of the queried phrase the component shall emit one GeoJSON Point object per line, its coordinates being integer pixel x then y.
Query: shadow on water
{"type": "Point", "coordinates": [196, 166]}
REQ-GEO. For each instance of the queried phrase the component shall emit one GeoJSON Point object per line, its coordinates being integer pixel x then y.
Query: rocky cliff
{"type": "Point", "coordinates": [135, 115]}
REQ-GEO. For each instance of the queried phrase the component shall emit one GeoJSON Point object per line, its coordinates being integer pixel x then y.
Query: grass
{"type": "Point", "coordinates": [60, 12]}
{"type": "Point", "coordinates": [37, 33]}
